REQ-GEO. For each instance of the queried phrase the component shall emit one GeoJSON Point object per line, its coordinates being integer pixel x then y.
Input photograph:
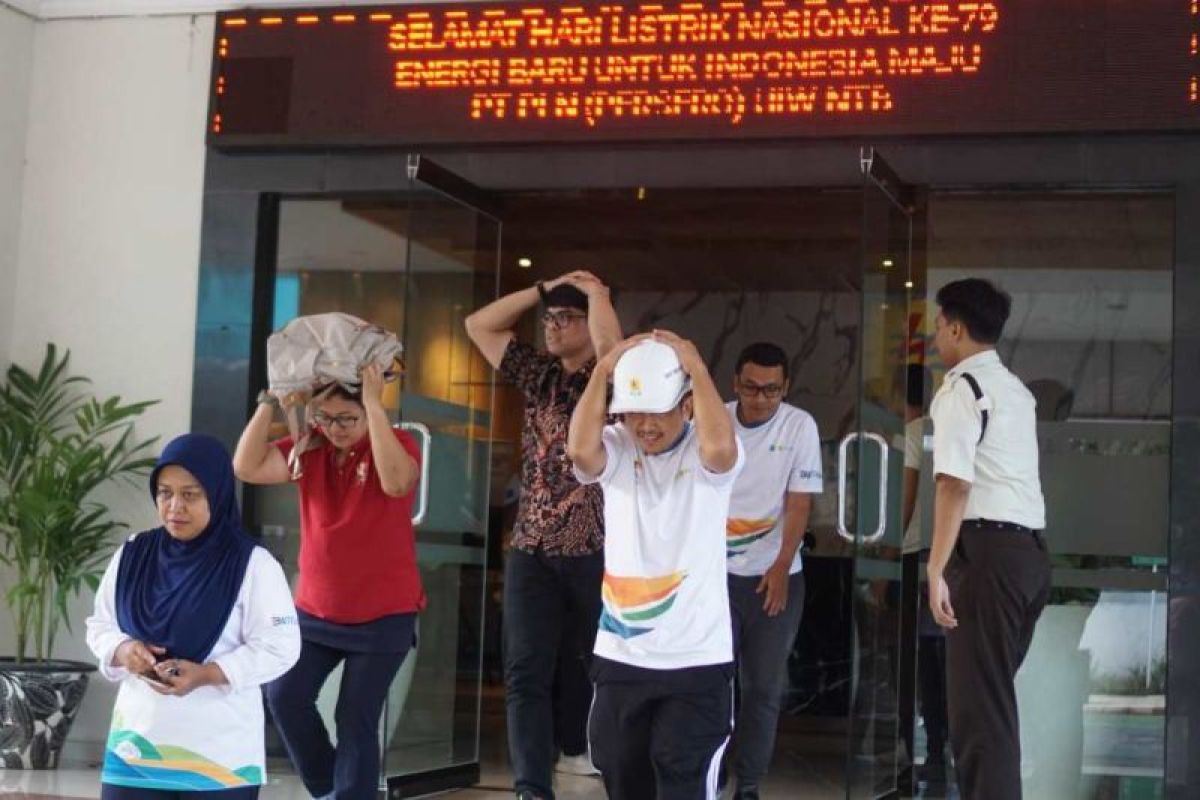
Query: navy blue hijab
{"type": "Point", "coordinates": [179, 594]}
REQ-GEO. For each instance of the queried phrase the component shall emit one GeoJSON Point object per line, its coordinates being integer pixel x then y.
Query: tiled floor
{"type": "Point", "coordinates": [84, 783]}
{"type": "Point", "coordinates": [810, 778]}
{"type": "Point", "coordinates": [805, 766]}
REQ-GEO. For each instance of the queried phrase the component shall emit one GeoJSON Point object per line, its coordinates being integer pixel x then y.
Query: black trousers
{"type": "Point", "coordinates": [551, 609]}
{"type": "Point", "coordinates": [999, 583]}
{"type": "Point", "coordinates": [109, 791]}
{"type": "Point", "coordinates": [660, 734]}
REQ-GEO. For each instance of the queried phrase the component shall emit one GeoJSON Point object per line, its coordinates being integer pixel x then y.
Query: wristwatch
{"type": "Point", "coordinates": [541, 287]}
{"type": "Point", "coordinates": [266, 398]}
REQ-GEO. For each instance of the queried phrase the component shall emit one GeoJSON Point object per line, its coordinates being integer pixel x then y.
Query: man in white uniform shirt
{"type": "Point", "coordinates": [989, 572]}
{"type": "Point", "coordinates": [768, 515]}
{"type": "Point", "coordinates": [663, 660]}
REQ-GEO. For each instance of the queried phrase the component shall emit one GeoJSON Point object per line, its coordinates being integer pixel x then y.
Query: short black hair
{"type": "Point", "coordinates": [919, 381]}
{"type": "Point", "coordinates": [565, 295]}
{"type": "Point", "coordinates": [764, 354]}
{"type": "Point", "coordinates": [979, 305]}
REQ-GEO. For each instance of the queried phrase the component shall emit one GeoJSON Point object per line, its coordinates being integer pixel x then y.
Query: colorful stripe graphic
{"type": "Point", "coordinates": [632, 604]}
{"type": "Point", "coordinates": [741, 533]}
{"type": "Point", "coordinates": [131, 760]}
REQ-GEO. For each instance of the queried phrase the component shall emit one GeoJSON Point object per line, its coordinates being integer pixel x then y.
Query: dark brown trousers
{"type": "Point", "coordinates": [999, 583]}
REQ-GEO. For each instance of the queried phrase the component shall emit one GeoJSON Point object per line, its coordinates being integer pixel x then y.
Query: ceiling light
{"type": "Point", "coordinates": [641, 193]}
{"type": "Point", "coordinates": [524, 263]}
{"type": "Point", "coordinates": [908, 284]}
{"type": "Point", "coordinates": [888, 263]}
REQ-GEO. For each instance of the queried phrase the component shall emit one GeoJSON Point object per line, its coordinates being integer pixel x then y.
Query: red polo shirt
{"type": "Point", "coordinates": [358, 556]}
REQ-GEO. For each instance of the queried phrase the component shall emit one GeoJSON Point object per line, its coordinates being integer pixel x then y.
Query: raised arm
{"type": "Point", "coordinates": [491, 327]}
{"type": "Point", "coordinates": [584, 446]}
{"type": "Point", "coordinates": [603, 325]}
{"type": "Point", "coordinates": [398, 471]}
{"type": "Point", "coordinates": [256, 460]}
{"type": "Point", "coordinates": [718, 447]}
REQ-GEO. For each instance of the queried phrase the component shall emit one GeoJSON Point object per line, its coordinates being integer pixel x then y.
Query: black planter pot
{"type": "Point", "coordinates": [38, 703]}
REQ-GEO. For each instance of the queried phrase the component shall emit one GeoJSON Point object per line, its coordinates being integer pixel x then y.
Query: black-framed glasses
{"type": "Point", "coordinates": [561, 319]}
{"type": "Point", "coordinates": [342, 421]}
{"type": "Point", "coordinates": [770, 391]}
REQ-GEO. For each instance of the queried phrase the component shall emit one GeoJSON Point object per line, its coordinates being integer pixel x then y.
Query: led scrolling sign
{"type": "Point", "coordinates": [518, 72]}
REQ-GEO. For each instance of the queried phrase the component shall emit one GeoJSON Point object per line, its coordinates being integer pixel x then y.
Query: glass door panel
{"type": "Point", "coordinates": [452, 243]}
{"type": "Point", "coordinates": [870, 464]}
{"type": "Point", "coordinates": [415, 260]}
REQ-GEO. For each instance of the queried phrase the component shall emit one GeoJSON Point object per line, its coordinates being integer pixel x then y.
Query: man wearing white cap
{"type": "Point", "coordinates": [663, 660]}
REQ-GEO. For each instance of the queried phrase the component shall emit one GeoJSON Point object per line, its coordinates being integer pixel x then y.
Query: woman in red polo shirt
{"type": "Point", "coordinates": [359, 590]}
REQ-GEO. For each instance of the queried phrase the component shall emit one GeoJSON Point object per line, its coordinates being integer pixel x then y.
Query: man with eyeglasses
{"type": "Point", "coordinates": [555, 563]}
{"type": "Point", "coordinates": [768, 514]}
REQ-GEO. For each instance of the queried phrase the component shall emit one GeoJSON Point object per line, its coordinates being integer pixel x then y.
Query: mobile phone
{"type": "Point", "coordinates": [152, 678]}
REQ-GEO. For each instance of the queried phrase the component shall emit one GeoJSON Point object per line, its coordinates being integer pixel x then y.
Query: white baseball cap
{"type": "Point", "coordinates": [648, 379]}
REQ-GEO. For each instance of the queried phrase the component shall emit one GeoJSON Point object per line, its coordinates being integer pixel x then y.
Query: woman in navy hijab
{"type": "Point", "coordinates": [191, 618]}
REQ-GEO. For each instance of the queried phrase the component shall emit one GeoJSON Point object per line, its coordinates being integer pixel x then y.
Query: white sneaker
{"type": "Point", "coordinates": [576, 765]}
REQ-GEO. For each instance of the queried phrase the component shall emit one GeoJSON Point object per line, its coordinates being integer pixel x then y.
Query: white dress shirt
{"type": "Point", "coordinates": [1003, 468]}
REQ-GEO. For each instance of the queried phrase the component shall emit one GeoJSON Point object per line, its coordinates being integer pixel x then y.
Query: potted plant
{"type": "Point", "coordinates": [58, 445]}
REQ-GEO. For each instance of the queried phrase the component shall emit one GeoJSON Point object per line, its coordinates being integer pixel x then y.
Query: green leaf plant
{"type": "Point", "coordinates": [58, 445]}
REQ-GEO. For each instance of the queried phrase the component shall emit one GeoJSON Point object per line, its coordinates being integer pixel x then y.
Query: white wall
{"type": "Point", "coordinates": [16, 64]}
{"type": "Point", "coordinates": [110, 233]}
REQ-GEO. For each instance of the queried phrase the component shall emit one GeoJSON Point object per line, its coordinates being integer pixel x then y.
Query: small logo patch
{"type": "Point", "coordinates": [635, 387]}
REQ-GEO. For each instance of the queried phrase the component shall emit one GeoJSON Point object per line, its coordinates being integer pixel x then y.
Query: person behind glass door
{"type": "Point", "coordinates": [192, 618]}
{"type": "Point", "coordinates": [768, 514]}
{"type": "Point", "coordinates": [663, 663]}
{"type": "Point", "coordinates": [554, 565]}
{"type": "Point", "coordinates": [359, 591]}
{"type": "Point", "coordinates": [989, 572]}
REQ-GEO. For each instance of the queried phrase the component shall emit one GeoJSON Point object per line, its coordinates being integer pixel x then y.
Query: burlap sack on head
{"type": "Point", "coordinates": [311, 354]}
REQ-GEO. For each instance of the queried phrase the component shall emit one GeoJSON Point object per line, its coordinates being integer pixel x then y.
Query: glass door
{"type": "Point", "coordinates": [869, 469]}
{"type": "Point", "coordinates": [416, 260]}
{"type": "Point", "coordinates": [431, 724]}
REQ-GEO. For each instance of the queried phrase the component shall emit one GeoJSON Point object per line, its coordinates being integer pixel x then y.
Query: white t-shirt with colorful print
{"type": "Point", "coordinates": [666, 603]}
{"type": "Point", "coordinates": [212, 738]}
{"type": "Point", "coordinates": [783, 455]}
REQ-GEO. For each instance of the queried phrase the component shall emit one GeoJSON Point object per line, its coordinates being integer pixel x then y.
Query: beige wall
{"type": "Point", "coordinates": [109, 227]}
{"type": "Point", "coordinates": [16, 64]}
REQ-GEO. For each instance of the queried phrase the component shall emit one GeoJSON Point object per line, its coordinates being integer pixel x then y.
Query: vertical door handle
{"type": "Point", "coordinates": [842, 529]}
{"type": "Point", "coordinates": [423, 493]}
{"type": "Point", "coordinates": [881, 527]}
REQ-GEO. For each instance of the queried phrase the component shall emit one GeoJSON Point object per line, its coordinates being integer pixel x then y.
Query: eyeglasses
{"type": "Point", "coordinates": [560, 319]}
{"type": "Point", "coordinates": [342, 421]}
{"type": "Point", "coordinates": [770, 391]}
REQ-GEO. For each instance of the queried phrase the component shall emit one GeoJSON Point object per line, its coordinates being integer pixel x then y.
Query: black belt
{"type": "Point", "coordinates": [993, 525]}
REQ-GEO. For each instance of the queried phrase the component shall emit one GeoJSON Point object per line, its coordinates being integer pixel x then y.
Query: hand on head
{"type": "Point", "coordinates": [689, 356]}
{"type": "Point", "coordinates": [372, 384]}
{"type": "Point", "coordinates": [582, 280]}
{"type": "Point", "coordinates": [607, 364]}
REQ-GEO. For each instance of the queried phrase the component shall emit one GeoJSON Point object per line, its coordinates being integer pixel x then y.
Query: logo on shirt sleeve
{"type": "Point", "coordinates": [741, 533]}
{"type": "Point", "coordinates": [633, 605]}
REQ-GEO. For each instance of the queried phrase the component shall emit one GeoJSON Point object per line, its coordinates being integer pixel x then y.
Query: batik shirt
{"type": "Point", "coordinates": [556, 514]}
